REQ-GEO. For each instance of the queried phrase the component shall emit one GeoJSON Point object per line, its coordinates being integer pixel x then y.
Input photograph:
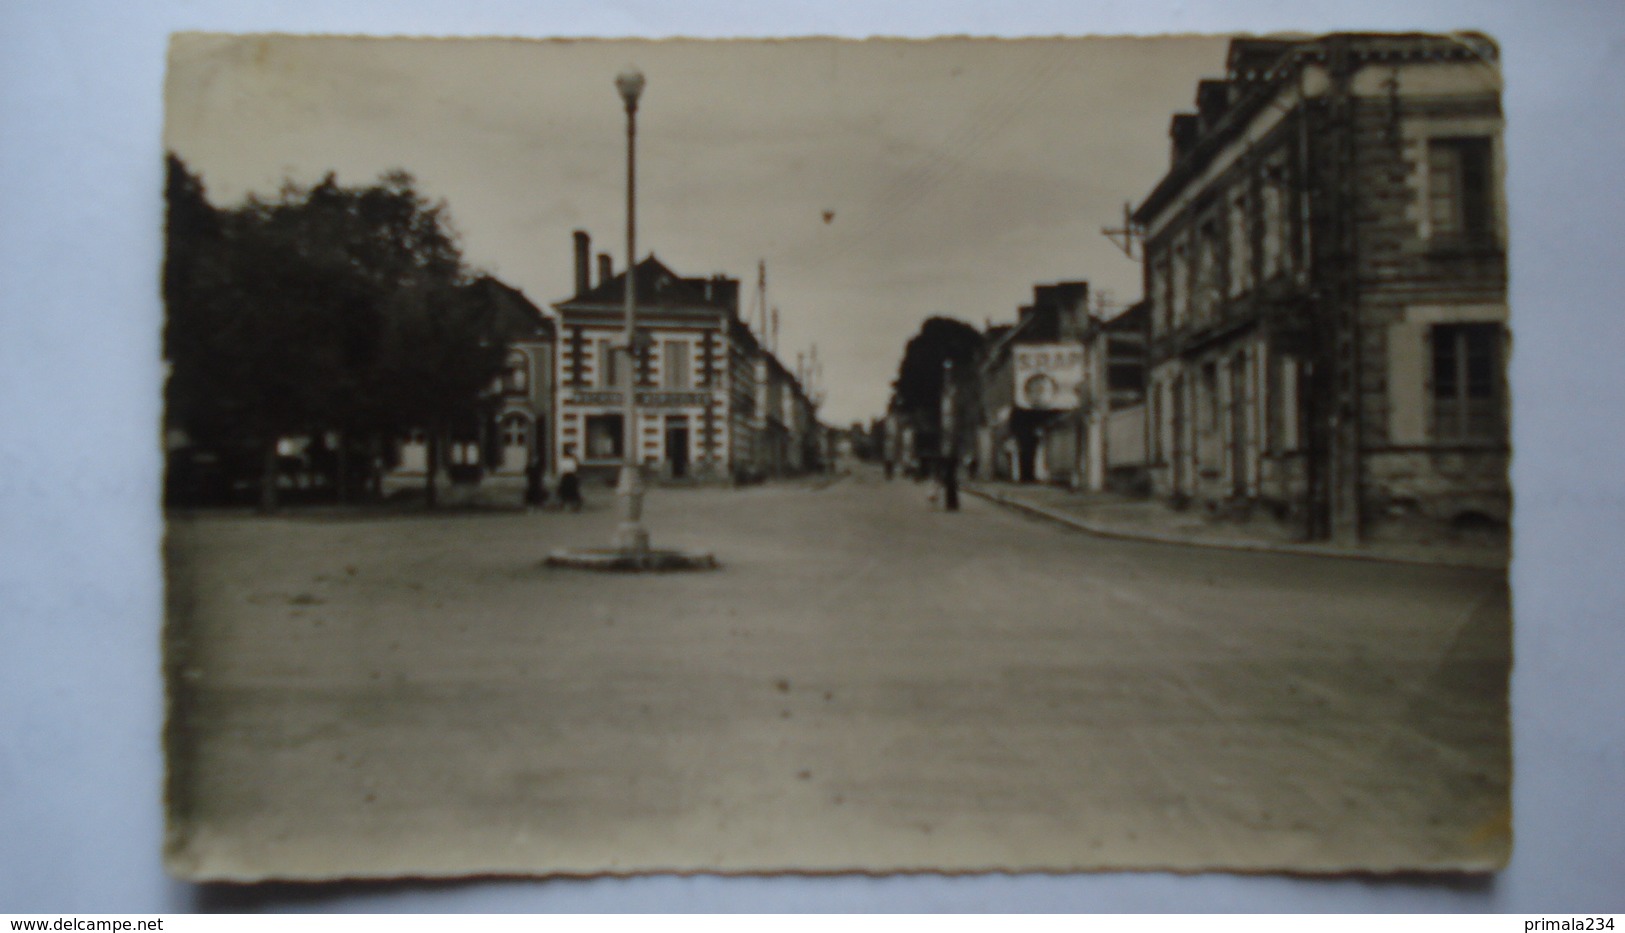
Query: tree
{"type": "Point", "coordinates": [418, 352]}
{"type": "Point", "coordinates": [323, 310]}
{"type": "Point", "coordinates": [442, 347]}
{"type": "Point", "coordinates": [917, 391]}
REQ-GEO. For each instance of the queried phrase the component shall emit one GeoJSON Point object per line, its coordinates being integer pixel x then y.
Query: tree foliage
{"type": "Point", "coordinates": [323, 310]}
{"type": "Point", "coordinates": [918, 388]}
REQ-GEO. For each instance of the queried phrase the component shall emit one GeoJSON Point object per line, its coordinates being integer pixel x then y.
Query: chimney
{"type": "Point", "coordinates": [606, 269]}
{"type": "Point", "coordinates": [583, 252]}
{"type": "Point", "coordinates": [1184, 131]}
{"type": "Point", "coordinates": [1212, 100]}
{"type": "Point", "coordinates": [1073, 300]}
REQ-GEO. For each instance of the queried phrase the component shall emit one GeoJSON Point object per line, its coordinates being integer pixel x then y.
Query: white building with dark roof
{"type": "Point", "coordinates": [709, 405]}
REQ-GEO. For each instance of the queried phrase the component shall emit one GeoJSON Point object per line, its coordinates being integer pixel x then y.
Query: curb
{"type": "Point", "coordinates": [1310, 550]}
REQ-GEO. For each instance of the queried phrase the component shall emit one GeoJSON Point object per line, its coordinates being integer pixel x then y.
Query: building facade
{"type": "Point", "coordinates": [1112, 408]}
{"type": "Point", "coordinates": [709, 407]}
{"type": "Point", "coordinates": [1032, 436]}
{"type": "Point", "coordinates": [787, 432]}
{"type": "Point", "coordinates": [1326, 270]}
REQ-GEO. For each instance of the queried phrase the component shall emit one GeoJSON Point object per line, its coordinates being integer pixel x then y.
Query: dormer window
{"type": "Point", "coordinates": [516, 376]}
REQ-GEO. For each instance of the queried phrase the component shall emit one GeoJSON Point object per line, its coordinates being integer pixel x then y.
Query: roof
{"type": "Point", "coordinates": [660, 288]}
{"type": "Point", "coordinates": [1258, 68]}
{"type": "Point", "coordinates": [1039, 322]}
{"type": "Point", "coordinates": [518, 314]}
{"type": "Point", "coordinates": [1135, 317]}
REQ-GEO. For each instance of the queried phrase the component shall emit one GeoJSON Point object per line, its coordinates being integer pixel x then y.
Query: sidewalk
{"type": "Point", "coordinates": [1113, 515]}
{"type": "Point", "coordinates": [499, 492]}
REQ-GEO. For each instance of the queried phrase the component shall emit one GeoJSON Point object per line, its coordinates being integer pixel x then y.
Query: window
{"type": "Point", "coordinates": [514, 432]}
{"type": "Point", "coordinates": [1459, 189]}
{"type": "Point", "coordinates": [675, 367]}
{"type": "Point", "coordinates": [1210, 397]}
{"type": "Point", "coordinates": [1178, 281]}
{"type": "Point", "coordinates": [1467, 382]}
{"type": "Point", "coordinates": [516, 377]}
{"type": "Point", "coordinates": [1156, 422]}
{"type": "Point", "coordinates": [1124, 377]}
{"type": "Point", "coordinates": [1240, 247]}
{"type": "Point", "coordinates": [604, 437]}
{"type": "Point", "coordinates": [608, 368]}
{"type": "Point", "coordinates": [1283, 404]}
{"type": "Point", "coordinates": [1178, 414]}
{"type": "Point", "coordinates": [1205, 270]}
{"type": "Point", "coordinates": [1160, 290]}
{"type": "Point", "coordinates": [1153, 288]}
{"type": "Point", "coordinates": [1276, 247]}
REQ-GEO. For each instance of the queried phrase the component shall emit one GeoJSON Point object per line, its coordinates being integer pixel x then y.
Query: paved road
{"type": "Point", "coordinates": [867, 683]}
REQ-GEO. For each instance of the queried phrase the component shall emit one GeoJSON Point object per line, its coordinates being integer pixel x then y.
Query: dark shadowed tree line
{"type": "Point", "coordinates": [340, 315]}
{"type": "Point", "coordinates": [917, 393]}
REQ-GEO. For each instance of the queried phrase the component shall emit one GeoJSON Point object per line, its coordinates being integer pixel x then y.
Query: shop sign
{"type": "Point", "coordinates": [651, 398]}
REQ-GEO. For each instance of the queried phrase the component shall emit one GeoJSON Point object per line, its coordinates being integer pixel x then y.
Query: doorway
{"type": "Point", "coordinates": [677, 445]}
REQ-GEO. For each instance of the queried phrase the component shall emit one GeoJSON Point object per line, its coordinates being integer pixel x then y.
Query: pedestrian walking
{"type": "Point", "coordinates": [569, 483]}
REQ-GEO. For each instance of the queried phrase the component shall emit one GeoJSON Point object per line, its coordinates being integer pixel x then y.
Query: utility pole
{"type": "Point", "coordinates": [949, 448]}
{"type": "Point", "coordinates": [1342, 310]}
{"type": "Point", "coordinates": [1129, 237]}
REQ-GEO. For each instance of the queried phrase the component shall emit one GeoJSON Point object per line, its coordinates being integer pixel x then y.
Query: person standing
{"type": "Point", "coordinates": [569, 482]}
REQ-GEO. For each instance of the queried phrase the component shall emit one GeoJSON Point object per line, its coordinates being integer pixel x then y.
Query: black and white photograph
{"type": "Point", "coordinates": [819, 456]}
{"type": "Point", "coordinates": [873, 457]}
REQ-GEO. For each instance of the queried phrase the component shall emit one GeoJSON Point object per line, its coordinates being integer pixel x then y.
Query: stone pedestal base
{"type": "Point", "coordinates": [619, 561]}
{"type": "Point", "coordinates": [631, 538]}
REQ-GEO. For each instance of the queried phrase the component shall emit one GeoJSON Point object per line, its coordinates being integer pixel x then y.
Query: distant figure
{"type": "Point", "coordinates": [950, 483]}
{"type": "Point", "coordinates": [891, 467]}
{"type": "Point", "coordinates": [535, 490]}
{"type": "Point", "coordinates": [569, 484]}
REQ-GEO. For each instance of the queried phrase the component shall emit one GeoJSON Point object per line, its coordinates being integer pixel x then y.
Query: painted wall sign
{"type": "Point", "coordinates": [1048, 375]}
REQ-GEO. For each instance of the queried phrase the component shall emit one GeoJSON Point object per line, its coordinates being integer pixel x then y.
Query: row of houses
{"type": "Point", "coordinates": [1060, 392]}
{"type": "Point", "coordinates": [1324, 327]}
{"type": "Point", "coordinates": [713, 403]}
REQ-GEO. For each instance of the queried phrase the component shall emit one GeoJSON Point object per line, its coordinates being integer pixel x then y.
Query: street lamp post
{"type": "Point", "coordinates": [630, 550]}
{"type": "Point", "coordinates": [631, 538]}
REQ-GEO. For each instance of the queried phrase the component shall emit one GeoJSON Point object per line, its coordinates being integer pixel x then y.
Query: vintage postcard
{"type": "Point", "coordinates": [835, 456]}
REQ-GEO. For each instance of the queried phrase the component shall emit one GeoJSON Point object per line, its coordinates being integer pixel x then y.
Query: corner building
{"type": "Point", "coordinates": [692, 369]}
{"type": "Point", "coordinates": [1325, 262]}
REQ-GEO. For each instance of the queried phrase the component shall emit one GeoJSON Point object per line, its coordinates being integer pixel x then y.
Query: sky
{"type": "Point", "coordinates": [957, 173]}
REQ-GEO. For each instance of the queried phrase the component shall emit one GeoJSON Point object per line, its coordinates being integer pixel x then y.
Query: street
{"type": "Point", "coordinates": [867, 683]}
